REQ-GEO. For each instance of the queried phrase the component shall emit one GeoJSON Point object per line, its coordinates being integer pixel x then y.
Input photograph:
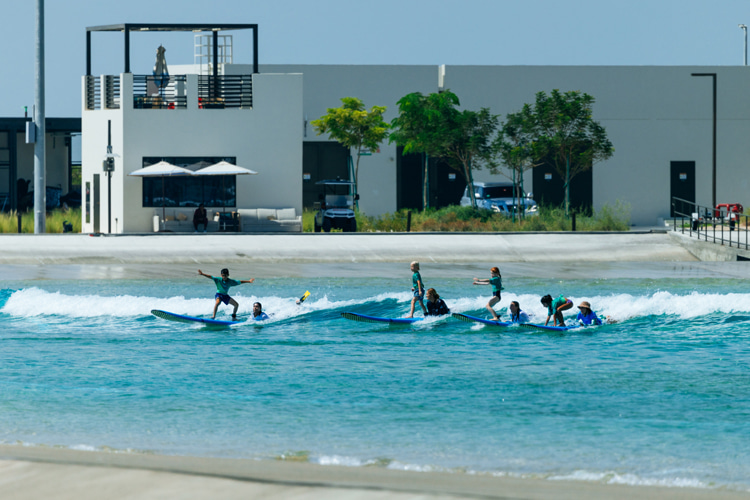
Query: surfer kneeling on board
{"type": "Point", "coordinates": [435, 305]}
{"type": "Point", "coordinates": [555, 308]}
{"type": "Point", "coordinates": [222, 290]}
{"type": "Point", "coordinates": [258, 314]}
{"type": "Point", "coordinates": [516, 314]}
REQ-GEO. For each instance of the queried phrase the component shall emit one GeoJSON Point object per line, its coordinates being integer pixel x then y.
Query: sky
{"type": "Point", "coordinates": [414, 32]}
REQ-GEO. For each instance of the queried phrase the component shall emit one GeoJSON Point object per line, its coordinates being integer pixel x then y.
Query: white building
{"type": "Point", "coordinates": [251, 120]}
{"type": "Point", "coordinates": [659, 119]}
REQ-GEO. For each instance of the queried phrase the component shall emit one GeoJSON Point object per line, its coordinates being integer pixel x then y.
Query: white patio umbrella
{"type": "Point", "coordinates": [224, 168]}
{"type": "Point", "coordinates": [162, 169]}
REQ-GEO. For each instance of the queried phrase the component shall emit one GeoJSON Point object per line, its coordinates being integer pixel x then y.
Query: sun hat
{"type": "Point", "coordinates": [584, 304]}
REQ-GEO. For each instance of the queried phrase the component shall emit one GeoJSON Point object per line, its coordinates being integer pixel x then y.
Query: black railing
{"type": "Point", "coordinates": [93, 93]}
{"type": "Point", "coordinates": [723, 224]}
{"type": "Point", "coordinates": [228, 91]}
{"type": "Point", "coordinates": [112, 91]}
{"type": "Point", "coordinates": [159, 92]}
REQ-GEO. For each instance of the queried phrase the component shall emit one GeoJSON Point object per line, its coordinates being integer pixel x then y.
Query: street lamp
{"type": "Point", "coordinates": [744, 28]}
{"type": "Point", "coordinates": [713, 173]}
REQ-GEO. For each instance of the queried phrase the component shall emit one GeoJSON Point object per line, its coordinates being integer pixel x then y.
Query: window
{"type": "Point", "coordinates": [187, 191]}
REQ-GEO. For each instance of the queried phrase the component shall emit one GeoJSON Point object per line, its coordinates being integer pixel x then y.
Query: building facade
{"type": "Point", "coordinates": [659, 119]}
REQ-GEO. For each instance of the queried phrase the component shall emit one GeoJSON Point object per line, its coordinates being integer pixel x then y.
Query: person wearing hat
{"type": "Point", "coordinates": [586, 316]}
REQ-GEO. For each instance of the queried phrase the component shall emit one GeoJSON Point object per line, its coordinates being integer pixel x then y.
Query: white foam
{"type": "Point", "coordinates": [31, 302]}
{"type": "Point", "coordinates": [611, 477]}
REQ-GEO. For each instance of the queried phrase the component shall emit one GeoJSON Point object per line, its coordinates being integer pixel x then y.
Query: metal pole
{"type": "Point", "coordinates": [744, 28]}
{"type": "Point", "coordinates": [40, 185]}
{"type": "Point", "coordinates": [713, 171]}
{"type": "Point", "coordinates": [109, 177]}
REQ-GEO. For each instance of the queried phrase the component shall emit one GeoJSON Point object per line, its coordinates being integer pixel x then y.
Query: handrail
{"type": "Point", "coordinates": [701, 219]}
{"type": "Point", "coordinates": [159, 91]}
{"type": "Point", "coordinates": [225, 91]}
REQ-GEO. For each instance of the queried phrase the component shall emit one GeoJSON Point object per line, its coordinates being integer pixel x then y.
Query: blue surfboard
{"type": "Point", "coordinates": [363, 318]}
{"type": "Point", "coordinates": [474, 319]}
{"type": "Point", "coordinates": [191, 319]}
{"type": "Point", "coordinates": [548, 327]}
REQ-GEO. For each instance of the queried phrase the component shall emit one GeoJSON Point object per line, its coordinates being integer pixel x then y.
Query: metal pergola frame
{"type": "Point", "coordinates": [126, 28]}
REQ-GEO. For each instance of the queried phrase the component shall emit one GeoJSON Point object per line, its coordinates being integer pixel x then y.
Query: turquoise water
{"type": "Point", "coordinates": [661, 397]}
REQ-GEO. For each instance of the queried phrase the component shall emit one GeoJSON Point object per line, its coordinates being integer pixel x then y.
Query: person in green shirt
{"type": "Point", "coordinates": [417, 288]}
{"type": "Point", "coordinates": [555, 307]}
{"type": "Point", "coordinates": [222, 290]}
{"type": "Point", "coordinates": [497, 285]}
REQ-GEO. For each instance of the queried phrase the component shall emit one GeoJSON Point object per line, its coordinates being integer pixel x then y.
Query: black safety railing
{"type": "Point", "coordinates": [721, 224]}
{"type": "Point", "coordinates": [159, 92]}
{"type": "Point", "coordinates": [225, 91]}
{"type": "Point", "coordinates": [93, 93]}
{"type": "Point", "coordinates": [112, 91]}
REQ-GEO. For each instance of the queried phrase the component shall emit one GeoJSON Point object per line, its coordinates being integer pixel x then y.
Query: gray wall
{"type": "Point", "coordinates": [653, 115]}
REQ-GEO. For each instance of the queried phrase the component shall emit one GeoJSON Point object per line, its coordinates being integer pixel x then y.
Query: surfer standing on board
{"type": "Point", "coordinates": [222, 290]}
{"type": "Point", "coordinates": [417, 288]}
{"type": "Point", "coordinates": [497, 286]}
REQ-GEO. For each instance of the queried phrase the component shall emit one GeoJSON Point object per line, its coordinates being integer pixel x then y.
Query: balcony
{"type": "Point", "coordinates": [168, 92]}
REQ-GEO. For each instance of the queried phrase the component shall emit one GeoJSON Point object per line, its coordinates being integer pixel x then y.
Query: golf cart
{"type": "Point", "coordinates": [336, 207]}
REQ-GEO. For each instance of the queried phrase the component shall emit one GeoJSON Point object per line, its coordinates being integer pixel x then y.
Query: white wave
{"type": "Point", "coordinates": [30, 302]}
{"type": "Point", "coordinates": [610, 477]}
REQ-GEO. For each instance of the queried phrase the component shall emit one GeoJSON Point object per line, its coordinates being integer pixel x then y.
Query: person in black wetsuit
{"type": "Point", "coordinates": [435, 305]}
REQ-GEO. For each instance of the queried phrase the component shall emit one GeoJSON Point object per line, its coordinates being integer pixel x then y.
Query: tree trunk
{"type": "Point", "coordinates": [470, 180]}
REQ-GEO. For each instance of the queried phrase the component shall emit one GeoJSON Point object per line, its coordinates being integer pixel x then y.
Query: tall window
{"type": "Point", "coordinates": [189, 191]}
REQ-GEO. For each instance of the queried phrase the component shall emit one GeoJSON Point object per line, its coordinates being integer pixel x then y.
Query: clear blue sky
{"type": "Point", "coordinates": [477, 32]}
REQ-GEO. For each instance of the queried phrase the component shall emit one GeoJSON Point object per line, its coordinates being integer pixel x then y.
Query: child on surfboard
{"type": "Point", "coordinates": [222, 290]}
{"type": "Point", "coordinates": [555, 307]}
{"type": "Point", "coordinates": [417, 288]}
{"type": "Point", "coordinates": [497, 285]}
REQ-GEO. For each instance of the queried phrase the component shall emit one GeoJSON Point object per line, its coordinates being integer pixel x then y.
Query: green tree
{"type": "Point", "coordinates": [354, 127]}
{"type": "Point", "coordinates": [433, 125]}
{"type": "Point", "coordinates": [517, 146]}
{"type": "Point", "coordinates": [568, 135]}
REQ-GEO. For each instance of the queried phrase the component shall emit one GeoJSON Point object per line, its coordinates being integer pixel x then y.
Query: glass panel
{"type": "Point", "coordinates": [3, 139]}
{"type": "Point", "coordinates": [212, 191]}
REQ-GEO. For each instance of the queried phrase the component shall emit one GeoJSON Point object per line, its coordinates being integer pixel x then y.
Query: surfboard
{"type": "Point", "coordinates": [548, 327]}
{"type": "Point", "coordinates": [304, 296]}
{"type": "Point", "coordinates": [191, 319]}
{"type": "Point", "coordinates": [474, 319]}
{"type": "Point", "coordinates": [363, 318]}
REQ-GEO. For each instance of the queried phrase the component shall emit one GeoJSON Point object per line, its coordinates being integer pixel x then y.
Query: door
{"type": "Point", "coordinates": [549, 188]}
{"type": "Point", "coordinates": [682, 187]}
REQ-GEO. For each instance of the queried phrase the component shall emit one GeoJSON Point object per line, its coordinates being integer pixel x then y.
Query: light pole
{"type": "Point", "coordinates": [744, 28]}
{"type": "Point", "coordinates": [713, 172]}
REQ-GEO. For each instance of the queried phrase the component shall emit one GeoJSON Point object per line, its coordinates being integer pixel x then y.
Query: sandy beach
{"type": "Point", "coordinates": [38, 472]}
{"type": "Point", "coordinates": [27, 472]}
